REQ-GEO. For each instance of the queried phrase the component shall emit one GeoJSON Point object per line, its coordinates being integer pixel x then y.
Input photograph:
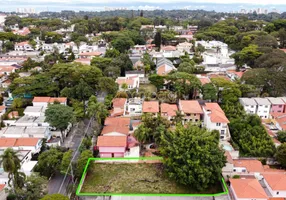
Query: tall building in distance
{"type": "Point", "coordinates": [26, 10]}
{"type": "Point", "coordinates": [258, 11]}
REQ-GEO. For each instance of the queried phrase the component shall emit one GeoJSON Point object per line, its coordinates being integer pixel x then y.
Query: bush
{"type": "Point", "coordinates": [236, 177]}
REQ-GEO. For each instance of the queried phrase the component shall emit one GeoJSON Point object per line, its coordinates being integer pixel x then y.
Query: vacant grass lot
{"type": "Point", "coordinates": [148, 87]}
{"type": "Point", "coordinates": [133, 179]}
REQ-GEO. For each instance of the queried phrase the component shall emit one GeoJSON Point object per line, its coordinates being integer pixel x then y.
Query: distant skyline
{"type": "Point", "coordinates": [96, 5]}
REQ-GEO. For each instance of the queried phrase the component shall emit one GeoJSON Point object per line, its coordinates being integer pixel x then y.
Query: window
{"type": "Point", "coordinates": [277, 192]}
{"type": "Point", "coordinates": [243, 170]}
{"type": "Point", "coordinates": [188, 115]}
{"type": "Point", "coordinates": [280, 106]}
{"type": "Point", "coordinates": [196, 120]}
{"type": "Point", "coordinates": [218, 124]}
{"type": "Point", "coordinates": [252, 106]}
{"type": "Point", "coordinates": [266, 106]}
{"type": "Point", "coordinates": [222, 132]}
{"type": "Point", "coordinates": [234, 170]}
{"type": "Point", "coordinates": [195, 114]}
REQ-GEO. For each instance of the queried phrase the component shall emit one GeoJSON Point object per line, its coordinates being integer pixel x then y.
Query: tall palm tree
{"type": "Point", "coordinates": [11, 163]}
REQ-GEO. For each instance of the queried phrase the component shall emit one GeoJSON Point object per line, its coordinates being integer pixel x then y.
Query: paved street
{"type": "Point", "coordinates": [72, 141]}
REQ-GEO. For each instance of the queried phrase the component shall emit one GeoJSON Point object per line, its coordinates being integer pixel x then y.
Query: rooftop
{"type": "Point", "coordinates": [250, 165]}
{"type": "Point", "coordinates": [150, 106]}
{"type": "Point", "coordinates": [276, 101]}
{"type": "Point", "coordinates": [248, 101]}
{"type": "Point", "coordinates": [119, 102]}
{"type": "Point", "coordinates": [190, 106]}
{"type": "Point", "coordinates": [276, 181]}
{"type": "Point", "coordinates": [17, 142]}
{"type": "Point", "coordinates": [117, 121]}
{"type": "Point", "coordinates": [118, 129]}
{"type": "Point", "coordinates": [170, 109]}
{"type": "Point", "coordinates": [248, 189]}
{"type": "Point", "coordinates": [112, 141]}
{"type": "Point", "coordinates": [262, 101]}
{"type": "Point", "coordinates": [217, 115]}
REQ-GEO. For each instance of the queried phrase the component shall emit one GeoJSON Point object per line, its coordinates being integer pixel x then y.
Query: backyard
{"type": "Point", "coordinates": [134, 178]}
{"type": "Point", "coordinates": [148, 87]}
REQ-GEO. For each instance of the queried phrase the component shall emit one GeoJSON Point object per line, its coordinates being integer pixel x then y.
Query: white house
{"type": "Point", "coordinates": [164, 66]}
{"type": "Point", "coordinates": [276, 184]}
{"type": "Point", "coordinates": [263, 107]}
{"type": "Point", "coordinates": [27, 144]}
{"type": "Point", "coordinates": [26, 132]}
{"type": "Point", "coordinates": [184, 47]}
{"type": "Point", "coordinates": [23, 46]}
{"type": "Point", "coordinates": [247, 189]}
{"type": "Point", "coordinates": [132, 82]}
{"type": "Point", "coordinates": [249, 105]}
{"type": "Point", "coordinates": [133, 107]}
{"type": "Point", "coordinates": [34, 111]}
{"type": "Point", "coordinates": [215, 119]}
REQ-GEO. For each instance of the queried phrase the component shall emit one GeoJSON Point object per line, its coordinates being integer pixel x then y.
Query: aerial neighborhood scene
{"type": "Point", "coordinates": [142, 100]}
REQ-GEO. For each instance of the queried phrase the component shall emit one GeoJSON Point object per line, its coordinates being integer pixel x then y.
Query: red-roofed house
{"type": "Point", "coordinates": [84, 61]}
{"type": "Point", "coordinates": [276, 184]}
{"type": "Point", "coordinates": [111, 146]}
{"type": "Point", "coordinates": [247, 189]}
{"type": "Point", "coordinates": [169, 111]}
{"type": "Point", "coordinates": [89, 55]}
{"type": "Point", "coordinates": [215, 119]}
{"type": "Point", "coordinates": [119, 126]}
{"type": "Point", "coordinates": [44, 101]}
{"type": "Point", "coordinates": [118, 105]}
{"type": "Point", "coordinates": [191, 110]}
{"type": "Point", "coordinates": [27, 144]}
{"type": "Point", "coordinates": [151, 107]}
{"type": "Point", "coordinates": [24, 31]}
{"type": "Point", "coordinates": [23, 46]}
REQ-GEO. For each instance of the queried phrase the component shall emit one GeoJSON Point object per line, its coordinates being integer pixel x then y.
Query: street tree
{"type": "Point", "coordinates": [281, 136]}
{"type": "Point", "coordinates": [59, 116]}
{"type": "Point", "coordinates": [281, 154]}
{"type": "Point", "coordinates": [82, 161]}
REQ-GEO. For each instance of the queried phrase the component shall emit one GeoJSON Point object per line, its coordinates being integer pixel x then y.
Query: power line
{"type": "Point", "coordinates": [70, 165]}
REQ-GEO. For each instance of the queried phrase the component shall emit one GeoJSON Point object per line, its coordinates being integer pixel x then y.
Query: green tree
{"type": "Point", "coordinates": [67, 156]}
{"type": "Point", "coordinates": [187, 154]}
{"type": "Point", "coordinates": [59, 116]}
{"type": "Point", "coordinates": [281, 136]}
{"type": "Point", "coordinates": [188, 67]}
{"type": "Point", "coordinates": [124, 86]}
{"type": "Point", "coordinates": [35, 187]}
{"type": "Point", "coordinates": [158, 40]}
{"type": "Point", "coordinates": [55, 197]}
{"type": "Point", "coordinates": [122, 44]}
{"type": "Point", "coordinates": [11, 164]}
{"type": "Point", "coordinates": [111, 53]}
{"type": "Point", "coordinates": [247, 56]}
{"type": "Point", "coordinates": [81, 163]}
{"type": "Point", "coordinates": [17, 103]}
{"type": "Point", "coordinates": [101, 112]}
{"type": "Point", "coordinates": [209, 92]}
{"type": "Point", "coordinates": [100, 62]}
{"type": "Point", "coordinates": [49, 162]}
{"type": "Point", "coordinates": [157, 80]}
{"type": "Point", "coordinates": [107, 84]}
{"type": "Point", "coordinates": [281, 154]}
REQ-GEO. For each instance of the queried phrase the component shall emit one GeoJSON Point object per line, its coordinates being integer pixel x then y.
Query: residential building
{"type": "Point", "coordinates": [215, 119]}
{"type": "Point", "coordinates": [276, 184]}
{"type": "Point", "coordinates": [263, 107]}
{"type": "Point", "coordinates": [116, 126]}
{"type": "Point", "coordinates": [27, 144]}
{"type": "Point", "coordinates": [111, 146]}
{"type": "Point", "coordinates": [23, 46]}
{"type": "Point", "coordinates": [247, 189]}
{"type": "Point", "coordinates": [164, 67]}
{"type": "Point", "coordinates": [118, 105]}
{"type": "Point", "coordinates": [185, 47]}
{"type": "Point", "coordinates": [7, 70]}
{"type": "Point", "coordinates": [26, 132]}
{"type": "Point", "coordinates": [132, 82]}
{"type": "Point", "coordinates": [249, 105]}
{"type": "Point", "coordinates": [35, 111]}
{"type": "Point", "coordinates": [277, 105]}
{"type": "Point", "coordinates": [191, 109]}
{"type": "Point", "coordinates": [279, 120]}
{"type": "Point", "coordinates": [2, 110]}
{"type": "Point", "coordinates": [133, 107]}
{"type": "Point", "coordinates": [170, 52]}
{"type": "Point", "coordinates": [151, 107]}
{"type": "Point", "coordinates": [45, 101]}
{"type": "Point", "coordinates": [138, 49]}
{"type": "Point", "coordinates": [89, 55]}
{"type": "Point", "coordinates": [23, 32]}
{"type": "Point", "coordinates": [169, 111]}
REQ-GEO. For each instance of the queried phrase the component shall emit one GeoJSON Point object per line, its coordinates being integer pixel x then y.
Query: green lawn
{"type": "Point", "coordinates": [134, 178]}
{"type": "Point", "coordinates": [148, 87]}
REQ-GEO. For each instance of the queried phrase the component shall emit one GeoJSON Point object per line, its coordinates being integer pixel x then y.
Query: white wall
{"type": "Point", "coordinates": [263, 111]}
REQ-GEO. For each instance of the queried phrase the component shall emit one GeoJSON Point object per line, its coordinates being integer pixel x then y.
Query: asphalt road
{"type": "Point", "coordinates": [72, 141]}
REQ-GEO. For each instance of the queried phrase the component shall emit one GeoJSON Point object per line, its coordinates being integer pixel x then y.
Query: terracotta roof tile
{"type": "Point", "coordinates": [90, 54]}
{"type": "Point", "coordinates": [204, 80]}
{"type": "Point", "coordinates": [119, 102]}
{"type": "Point", "coordinates": [169, 48]}
{"type": "Point", "coordinates": [217, 115]}
{"type": "Point", "coordinates": [27, 142]}
{"type": "Point", "coordinates": [7, 142]}
{"type": "Point", "coordinates": [248, 189]}
{"type": "Point", "coordinates": [112, 141]}
{"type": "Point", "coordinates": [117, 121]}
{"type": "Point", "coordinates": [276, 181]}
{"type": "Point", "coordinates": [118, 129]}
{"type": "Point", "coordinates": [169, 109]}
{"type": "Point", "coordinates": [190, 106]}
{"type": "Point", "coordinates": [150, 107]}
{"type": "Point", "coordinates": [250, 165]}
{"type": "Point", "coordinates": [2, 186]}
{"type": "Point", "coordinates": [59, 99]}
{"type": "Point", "coordinates": [41, 99]}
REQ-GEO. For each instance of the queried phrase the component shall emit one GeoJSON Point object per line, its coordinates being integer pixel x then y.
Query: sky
{"type": "Point", "coordinates": [99, 5]}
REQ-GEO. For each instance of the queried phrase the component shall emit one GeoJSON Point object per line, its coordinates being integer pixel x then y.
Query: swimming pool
{"type": "Point", "coordinates": [227, 147]}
